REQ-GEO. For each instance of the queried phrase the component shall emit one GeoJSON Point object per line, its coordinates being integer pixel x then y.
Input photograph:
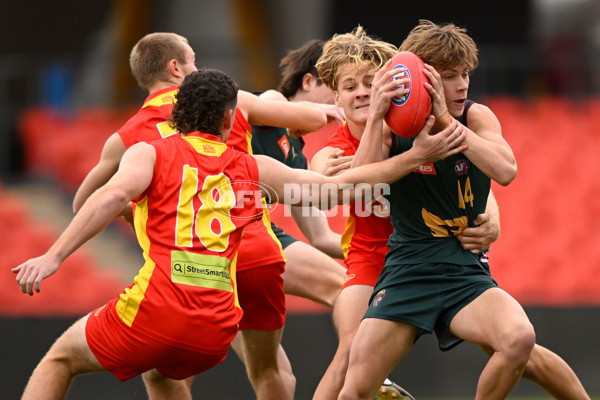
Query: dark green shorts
{"type": "Point", "coordinates": [428, 296]}
{"type": "Point", "coordinates": [283, 237]}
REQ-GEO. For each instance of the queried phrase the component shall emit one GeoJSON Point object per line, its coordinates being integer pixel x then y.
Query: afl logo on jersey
{"type": "Point", "coordinates": [402, 73]}
{"type": "Point", "coordinates": [461, 167]}
{"type": "Point", "coordinates": [378, 298]}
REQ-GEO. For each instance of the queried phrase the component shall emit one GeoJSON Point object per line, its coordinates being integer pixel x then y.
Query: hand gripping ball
{"type": "Point", "coordinates": [408, 113]}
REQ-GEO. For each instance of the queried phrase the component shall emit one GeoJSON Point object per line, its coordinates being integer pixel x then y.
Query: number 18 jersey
{"type": "Point", "coordinates": [189, 224]}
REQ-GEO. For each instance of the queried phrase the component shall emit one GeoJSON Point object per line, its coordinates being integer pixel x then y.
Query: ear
{"type": "Point", "coordinates": [336, 97]}
{"type": "Point", "coordinates": [228, 120]}
{"type": "Point", "coordinates": [307, 81]}
{"type": "Point", "coordinates": [174, 69]}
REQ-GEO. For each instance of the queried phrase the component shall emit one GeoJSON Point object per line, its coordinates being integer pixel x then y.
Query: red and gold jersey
{"type": "Point", "coordinates": [150, 122]}
{"type": "Point", "coordinates": [259, 246]}
{"type": "Point", "coordinates": [189, 224]}
{"type": "Point", "coordinates": [367, 234]}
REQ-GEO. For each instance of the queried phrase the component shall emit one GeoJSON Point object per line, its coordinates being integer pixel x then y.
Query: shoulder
{"type": "Point", "coordinates": [146, 147]}
{"type": "Point", "coordinates": [141, 153]}
{"type": "Point", "coordinates": [478, 112]}
{"type": "Point", "coordinates": [272, 95]}
{"type": "Point", "coordinates": [246, 101]}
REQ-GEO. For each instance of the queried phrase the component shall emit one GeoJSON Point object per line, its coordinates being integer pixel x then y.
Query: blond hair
{"type": "Point", "coordinates": [151, 55]}
{"type": "Point", "coordinates": [352, 48]}
{"type": "Point", "coordinates": [442, 46]}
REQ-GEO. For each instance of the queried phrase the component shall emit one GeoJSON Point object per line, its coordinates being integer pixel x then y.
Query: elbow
{"type": "Point", "coordinates": [113, 199]}
{"type": "Point", "coordinates": [507, 176]}
{"type": "Point", "coordinates": [319, 121]}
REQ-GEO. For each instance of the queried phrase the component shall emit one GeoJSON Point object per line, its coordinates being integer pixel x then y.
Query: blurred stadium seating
{"type": "Point", "coordinates": [548, 253]}
{"type": "Point", "coordinates": [81, 286]}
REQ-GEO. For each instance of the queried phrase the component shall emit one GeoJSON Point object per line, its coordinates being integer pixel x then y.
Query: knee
{"type": "Point", "coordinates": [520, 343]}
{"type": "Point", "coordinates": [61, 356]}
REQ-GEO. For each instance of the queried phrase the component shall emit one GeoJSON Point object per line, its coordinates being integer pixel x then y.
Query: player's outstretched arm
{"type": "Point", "coordinates": [296, 116]}
{"type": "Point", "coordinates": [317, 231]}
{"type": "Point", "coordinates": [333, 112]}
{"type": "Point", "coordinates": [132, 178]}
{"type": "Point", "coordinates": [297, 187]}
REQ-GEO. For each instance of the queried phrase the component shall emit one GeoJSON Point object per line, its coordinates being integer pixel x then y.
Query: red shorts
{"type": "Point", "coordinates": [260, 292]}
{"type": "Point", "coordinates": [363, 270]}
{"type": "Point", "coordinates": [126, 353]}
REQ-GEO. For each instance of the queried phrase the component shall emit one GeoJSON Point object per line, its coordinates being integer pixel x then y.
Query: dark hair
{"type": "Point", "coordinates": [202, 101]}
{"type": "Point", "coordinates": [298, 63]}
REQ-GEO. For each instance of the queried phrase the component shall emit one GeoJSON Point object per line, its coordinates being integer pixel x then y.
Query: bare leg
{"type": "Point", "coordinates": [311, 274]}
{"type": "Point", "coordinates": [237, 346]}
{"type": "Point", "coordinates": [161, 388]}
{"type": "Point", "coordinates": [552, 374]}
{"type": "Point", "coordinates": [347, 314]}
{"type": "Point", "coordinates": [267, 365]}
{"type": "Point", "coordinates": [385, 341]}
{"type": "Point", "coordinates": [496, 320]}
{"type": "Point", "coordinates": [69, 356]}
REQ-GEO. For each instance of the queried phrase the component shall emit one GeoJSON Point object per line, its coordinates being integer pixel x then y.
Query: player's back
{"type": "Point", "coordinates": [189, 225]}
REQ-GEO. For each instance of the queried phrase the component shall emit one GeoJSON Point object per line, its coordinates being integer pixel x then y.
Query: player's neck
{"type": "Point", "coordinates": [355, 129]}
{"type": "Point", "coordinates": [160, 86]}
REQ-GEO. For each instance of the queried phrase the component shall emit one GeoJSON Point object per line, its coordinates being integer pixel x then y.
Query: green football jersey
{"type": "Point", "coordinates": [433, 204]}
{"type": "Point", "coordinates": [277, 144]}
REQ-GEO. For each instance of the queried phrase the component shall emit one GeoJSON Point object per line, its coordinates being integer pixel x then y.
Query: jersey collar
{"type": "Point", "coordinates": [162, 97]}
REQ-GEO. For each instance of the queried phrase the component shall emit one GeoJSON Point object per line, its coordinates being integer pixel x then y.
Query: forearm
{"type": "Point", "coordinates": [317, 231]}
{"type": "Point", "coordinates": [493, 211]}
{"type": "Point", "coordinates": [307, 188]}
{"type": "Point", "coordinates": [331, 245]}
{"type": "Point", "coordinates": [369, 149]}
{"type": "Point", "coordinates": [311, 116]}
{"type": "Point", "coordinates": [88, 186]}
{"type": "Point", "coordinates": [101, 208]}
{"type": "Point", "coordinates": [494, 159]}
{"type": "Point", "coordinates": [80, 197]}
{"type": "Point", "coordinates": [386, 172]}
{"type": "Point", "coordinates": [486, 148]}
{"type": "Point", "coordinates": [292, 115]}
